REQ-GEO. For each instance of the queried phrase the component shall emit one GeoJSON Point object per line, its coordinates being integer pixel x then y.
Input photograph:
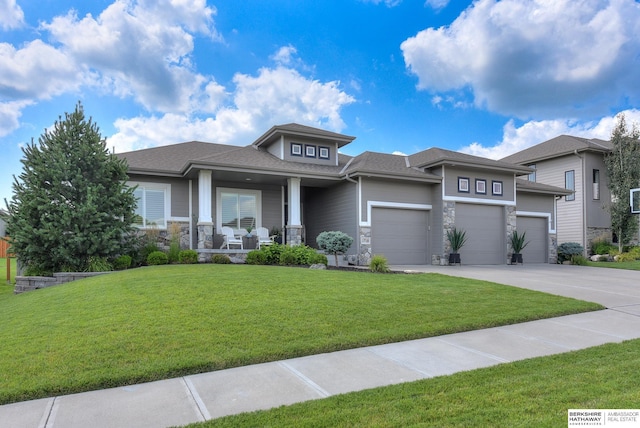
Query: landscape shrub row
{"type": "Point", "coordinates": [278, 254]}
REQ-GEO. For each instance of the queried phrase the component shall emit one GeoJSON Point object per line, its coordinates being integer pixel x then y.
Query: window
{"type": "Point", "coordinates": [496, 188]}
{"type": "Point", "coordinates": [570, 184]}
{"type": "Point", "coordinates": [481, 186]}
{"type": "Point", "coordinates": [532, 175]}
{"type": "Point", "coordinates": [463, 185]}
{"type": "Point", "coordinates": [310, 151]}
{"type": "Point", "coordinates": [323, 152]}
{"type": "Point", "coordinates": [153, 205]}
{"type": "Point", "coordinates": [238, 209]}
{"type": "Point", "coordinates": [596, 184]}
{"type": "Point", "coordinates": [296, 149]}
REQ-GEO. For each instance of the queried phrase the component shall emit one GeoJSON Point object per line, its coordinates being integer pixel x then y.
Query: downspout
{"type": "Point", "coordinates": [584, 200]}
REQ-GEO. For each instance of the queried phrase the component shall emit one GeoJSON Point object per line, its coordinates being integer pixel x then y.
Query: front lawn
{"type": "Point", "coordinates": [530, 393]}
{"type": "Point", "coordinates": [6, 288]}
{"type": "Point", "coordinates": [161, 322]}
{"type": "Point", "coordinates": [634, 265]}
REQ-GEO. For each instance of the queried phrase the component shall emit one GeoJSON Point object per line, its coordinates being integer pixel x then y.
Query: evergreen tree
{"type": "Point", "coordinates": [623, 170]}
{"type": "Point", "coordinates": [70, 205]}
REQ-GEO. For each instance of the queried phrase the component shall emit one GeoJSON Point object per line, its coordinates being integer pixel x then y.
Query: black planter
{"type": "Point", "coordinates": [454, 258]}
{"type": "Point", "coordinates": [516, 258]}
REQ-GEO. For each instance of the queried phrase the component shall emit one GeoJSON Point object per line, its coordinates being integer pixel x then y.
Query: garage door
{"type": "Point", "coordinates": [400, 235]}
{"type": "Point", "coordinates": [485, 228]}
{"type": "Point", "coordinates": [536, 233]}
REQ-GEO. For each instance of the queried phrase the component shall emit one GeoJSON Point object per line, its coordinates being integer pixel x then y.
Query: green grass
{"type": "Point", "coordinates": [4, 287]}
{"type": "Point", "coordinates": [531, 393]}
{"type": "Point", "coordinates": [634, 265]}
{"type": "Point", "coordinates": [166, 321]}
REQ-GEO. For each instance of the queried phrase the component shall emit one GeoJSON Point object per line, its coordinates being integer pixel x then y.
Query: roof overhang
{"type": "Point", "coordinates": [278, 131]}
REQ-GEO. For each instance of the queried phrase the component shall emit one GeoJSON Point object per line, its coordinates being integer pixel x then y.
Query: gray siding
{"type": "Point", "coordinates": [393, 191]}
{"type": "Point", "coordinates": [271, 201]}
{"type": "Point", "coordinates": [596, 209]}
{"type": "Point", "coordinates": [333, 208]}
{"type": "Point", "coordinates": [333, 151]}
{"type": "Point", "coordinates": [451, 183]}
{"type": "Point", "coordinates": [179, 192]}
{"type": "Point", "coordinates": [538, 203]}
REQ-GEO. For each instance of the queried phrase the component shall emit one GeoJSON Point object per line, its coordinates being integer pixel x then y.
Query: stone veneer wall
{"type": "Point", "coordinates": [30, 283]}
{"type": "Point", "coordinates": [448, 223]}
{"type": "Point", "coordinates": [364, 253]}
{"type": "Point", "coordinates": [597, 233]}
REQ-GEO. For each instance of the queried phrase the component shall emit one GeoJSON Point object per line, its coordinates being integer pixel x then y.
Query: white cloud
{"type": "Point", "coordinates": [275, 96]}
{"type": "Point", "coordinates": [437, 4]}
{"type": "Point", "coordinates": [11, 15]}
{"type": "Point", "coordinates": [10, 113]}
{"type": "Point", "coordinates": [284, 55]}
{"type": "Point", "coordinates": [534, 58]}
{"type": "Point", "coordinates": [531, 133]}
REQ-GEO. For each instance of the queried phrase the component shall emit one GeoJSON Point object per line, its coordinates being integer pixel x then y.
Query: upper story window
{"type": "Point", "coordinates": [570, 184]}
{"type": "Point", "coordinates": [239, 209]}
{"type": "Point", "coordinates": [153, 205]}
{"type": "Point", "coordinates": [596, 184]}
{"type": "Point", "coordinates": [532, 175]}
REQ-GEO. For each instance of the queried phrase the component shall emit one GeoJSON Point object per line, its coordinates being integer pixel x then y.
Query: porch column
{"type": "Point", "coordinates": [205, 222]}
{"type": "Point", "coordinates": [294, 226]}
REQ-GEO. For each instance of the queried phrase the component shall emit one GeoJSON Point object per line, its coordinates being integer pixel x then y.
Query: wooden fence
{"type": "Point", "coordinates": [4, 247]}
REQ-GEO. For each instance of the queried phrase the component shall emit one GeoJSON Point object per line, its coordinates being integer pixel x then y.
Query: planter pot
{"type": "Point", "coordinates": [454, 258]}
{"type": "Point", "coordinates": [516, 258]}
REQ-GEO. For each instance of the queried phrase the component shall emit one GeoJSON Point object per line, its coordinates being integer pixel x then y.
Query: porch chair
{"type": "Point", "coordinates": [263, 236]}
{"type": "Point", "coordinates": [229, 238]}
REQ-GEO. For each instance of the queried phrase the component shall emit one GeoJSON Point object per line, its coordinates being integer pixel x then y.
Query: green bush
{"type": "Point", "coordinates": [625, 257]}
{"type": "Point", "coordinates": [579, 260]}
{"type": "Point", "coordinates": [174, 252]}
{"type": "Point", "coordinates": [272, 253]}
{"type": "Point", "coordinates": [318, 258]}
{"type": "Point", "coordinates": [334, 242]}
{"type": "Point", "coordinates": [99, 264]}
{"type": "Point", "coordinates": [188, 257]}
{"type": "Point", "coordinates": [157, 258]}
{"type": "Point", "coordinates": [220, 259]}
{"type": "Point", "coordinates": [568, 249]}
{"type": "Point", "coordinates": [288, 256]}
{"type": "Point", "coordinates": [122, 262]}
{"type": "Point", "coordinates": [379, 264]}
{"type": "Point", "coordinates": [635, 252]}
{"type": "Point", "coordinates": [299, 255]}
{"type": "Point", "coordinates": [256, 257]}
{"type": "Point", "coordinates": [601, 247]}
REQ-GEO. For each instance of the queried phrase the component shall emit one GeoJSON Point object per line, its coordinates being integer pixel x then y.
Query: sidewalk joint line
{"type": "Point", "coordinates": [49, 417]}
{"type": "Point", "coordinates": [324, 393]}
{"type": "Point", "coordinates": [401, 363]}
{"type": "Point", "coordinates": [199, 404]}
{"type": "Point", "coordinates": [475, 351]}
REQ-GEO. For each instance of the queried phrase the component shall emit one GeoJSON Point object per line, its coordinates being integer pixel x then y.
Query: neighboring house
{"type": "Point", "coordinates": [3, 224]}
{"type": "Point", "coordinates": [294, 178]}
{"type": "Point", "coordinates": [576, 164]}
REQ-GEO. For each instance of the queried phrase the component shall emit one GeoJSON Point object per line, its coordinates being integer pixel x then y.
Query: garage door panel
{"type": "Point", "coordinates": [485, 231]}
{"type": "Point", "coordinates": [400, 235]}
{"type": "Point", "coordinates": [536, 230]}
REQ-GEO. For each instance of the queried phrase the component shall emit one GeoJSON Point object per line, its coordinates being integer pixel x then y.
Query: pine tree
{"type": "Point", "coordinates": [623, 170]}
{"type": "Point", "coordinates": [70, 204]}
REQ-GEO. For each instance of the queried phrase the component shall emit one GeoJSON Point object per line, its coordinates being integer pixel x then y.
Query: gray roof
{"type": "Point", "coordinates": [559, 146]}
{"type": "Point", "coordinates": [436, 157]}
{"type": "Point", "coordinates": [534, 187]}
{"type": "Point", "coordinates": [302, 131]}
{"type": "Point", "coordinates": [386, 165]}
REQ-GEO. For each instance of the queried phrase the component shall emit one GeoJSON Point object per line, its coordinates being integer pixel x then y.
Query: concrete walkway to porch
{"type": "Point", "coordinates": [199, 397]}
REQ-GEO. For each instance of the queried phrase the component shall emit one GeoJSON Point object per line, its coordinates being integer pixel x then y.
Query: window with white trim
{"type": "Point", "coordinates": [239, 208]}
{"type": "Point", "coordinates": [596, 184]}
{"type": "Point", "coordinates": [153, 205]}
{"type": "Point", "coordinates": [570, 184]}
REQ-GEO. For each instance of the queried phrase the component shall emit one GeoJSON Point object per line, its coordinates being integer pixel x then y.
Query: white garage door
{"type": "Point", "coordinates": [485, 227]}
{"type": "Point", "coordinates": [400, 235]}
{"type": "Point", "coordinates": [536, 234]}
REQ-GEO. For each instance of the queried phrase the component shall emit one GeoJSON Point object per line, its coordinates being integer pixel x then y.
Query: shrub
{"type": "Point", "coordinates": [601, 247]}
{"type": "Point", "coordinates": [188, 257]}
{"type": "Point", "coordinates": [220, 259]}
{"type": "Point", "coordinates": [99, 264]}
{"type": "Point", "coordinates": [379, 264]}
{"type": "Point", "coordinates": [625, 257]}
{"type": "Point", "coordinates": [334, 242]}
{"type": "Point", "coordinates": [318, 258]}
{"type": "Point", "coordinates": [299, 255]}
{"type": "Point", "coordinates": [256, 257]}
{"type": "Point", "coordinates": [122, 262]}
{"type": "Point", "coordinates": [272, 253]}
{"type": "Point", "coordinates": [579, 260]}
{"type": "Point", "coordinates": [174, 252]}
{"type": "Point", "coordinates": [157, 258]}
{"type": "Point", "coordinates": [288, 256]}
{"type": "Point", "coordinates": [635, 252]}
{"type": "Point", "coordinates": [568, 249]}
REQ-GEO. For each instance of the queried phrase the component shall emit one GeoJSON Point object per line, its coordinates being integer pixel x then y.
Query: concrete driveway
{"type": "Point", "coordinates": [614, 288]}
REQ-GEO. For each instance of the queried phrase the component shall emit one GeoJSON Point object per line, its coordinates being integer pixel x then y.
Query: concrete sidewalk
{"type": "Point", "coordinates": [195, 398]}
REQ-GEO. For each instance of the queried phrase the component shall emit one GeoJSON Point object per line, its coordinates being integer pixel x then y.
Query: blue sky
{"type": "Point", "coordinates": [486, 77]}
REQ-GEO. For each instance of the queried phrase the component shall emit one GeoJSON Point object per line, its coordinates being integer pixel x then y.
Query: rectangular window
{"type": "Point", "coordinates": [532, 175]}
{"type": "Point", "coordinates": [152, 209]}
{"type": "Point", "coordinates": [296, 149]}
{"type": "Point", "coordinates": [310, 151]}
{"type": "Point", "coordinates": [463, 185]}
{"type": "Point", "coordinates": [481, 186]}
{"type": "Point", "coordinates": [323, 152]}
{"type": "Point", "coordinates": [496, 188]}
{"type": "Point", "coordinates": [596, 184]}
{"type": "Point", "coordinates": [570, 184]}
{"type": "Point", "coordinates": [239, 209]}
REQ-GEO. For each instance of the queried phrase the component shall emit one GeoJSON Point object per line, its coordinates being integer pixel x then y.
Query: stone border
{"type": "Point", "coordinates": [30, 283]}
